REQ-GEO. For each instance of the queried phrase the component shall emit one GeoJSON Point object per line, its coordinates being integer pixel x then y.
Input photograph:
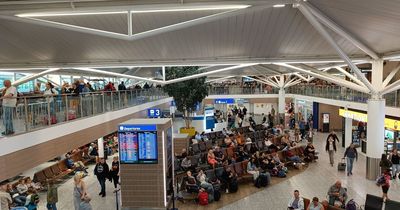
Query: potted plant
{"type": "Point", "coordinates": [187, 94]}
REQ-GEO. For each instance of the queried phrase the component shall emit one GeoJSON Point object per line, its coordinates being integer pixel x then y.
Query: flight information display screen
{"type": "Point", "coordinates": [138, 144]}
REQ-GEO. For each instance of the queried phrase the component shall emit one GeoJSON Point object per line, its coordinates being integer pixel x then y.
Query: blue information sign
{"type": "Point", "coordinates": [137, 128]}
{"type": "Point", "coordinates": [224, 101]}
{"type": "Point", "coordinates": [153, 112]}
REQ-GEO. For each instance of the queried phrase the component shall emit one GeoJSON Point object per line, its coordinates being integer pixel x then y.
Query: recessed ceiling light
{"type": "Point", "coordinates": [279, 5]}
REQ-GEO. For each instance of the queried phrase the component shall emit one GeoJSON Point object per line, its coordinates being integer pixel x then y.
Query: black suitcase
{"type": "Point", "coordinates": [341, 165]}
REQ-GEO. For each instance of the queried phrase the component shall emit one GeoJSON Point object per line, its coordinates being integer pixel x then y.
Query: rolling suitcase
{"type": "Point", "coordinates": [341, 165]}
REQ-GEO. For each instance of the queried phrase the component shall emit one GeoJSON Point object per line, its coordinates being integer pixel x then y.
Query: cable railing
{"type": "Point", "coordinates": [35, 112]}
{"type": "Point", "coordinates": [322, 91]}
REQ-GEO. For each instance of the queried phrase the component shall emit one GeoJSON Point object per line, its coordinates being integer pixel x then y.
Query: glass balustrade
{"type": "Point", "coordinates": [35, 112]}
{"type": "Point", "coordinates": [330, 92]}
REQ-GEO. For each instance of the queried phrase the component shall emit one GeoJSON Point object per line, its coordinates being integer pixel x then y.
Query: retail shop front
{"type": "Point", "coordinates": [355, 129]}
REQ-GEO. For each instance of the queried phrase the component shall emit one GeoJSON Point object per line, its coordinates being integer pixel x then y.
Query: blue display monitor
{"type": "Point", "coordinates": [389, 134]}
{"type": "Point", "coordinates": [153, 113]}
{"type": "Point", "coordinates": [138, 144]}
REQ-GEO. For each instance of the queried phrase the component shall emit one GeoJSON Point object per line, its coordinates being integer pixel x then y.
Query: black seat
{"type": "Point", "coordinates": [373, 202]}
{"type": "Point", "coordinates": [392, 205]}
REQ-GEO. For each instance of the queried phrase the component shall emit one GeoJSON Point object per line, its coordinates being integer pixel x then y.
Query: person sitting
{"type": "Point", "coordinates": [197, 136]}
{"type": "Point", "coordinates": [219, 155]}
{"type": "Point", "coordinates": [292, 157]}
{"type": "Point", "coordinates": [22, 188]}
{"type": "Point", "coordinates": [337, 195]}
{"type": "Point", "coordinates": [228, 141]}
{"type": "Point", "coordinates": [191, 184]}
{"type": "Point", "coordinates": [242, 155]}
{"type": "Point", "coordinates": [252, 169]}
{"type": "Point", "coordinates": [18, 199]}
{"type": "Point", "coordinates": [182, 155]}
{"type": "Point", "coordinates": [248, 141]}
{"type": "Point", "coordinates": [211, 158]}
{"type": "Point", "coordinates": [240, 139]}
{"type": "Point", "coordinates": [33, 185]}
{"type": "Point", "coordinates": [224, 132]}
{"type": "Point", "coordinates": [315, 205]}
{"type": "Point", "coordinates": [296, 202]}
{"type": "Point", "coordinates": [77, 166]}
{"type": "Point", "coordinates": [202, 179]}
{"type": "Point", "coordinates": [186, 164]}
{"type": "Point", "coordinates": [309, 152]}
{"type": "Point", "coordinates": [204, 136]}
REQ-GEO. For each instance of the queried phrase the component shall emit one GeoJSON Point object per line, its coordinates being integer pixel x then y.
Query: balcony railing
{"type": "Point", "coordinates": [35, 112]}
{"type": "Point", "coordinates": [330, 92]}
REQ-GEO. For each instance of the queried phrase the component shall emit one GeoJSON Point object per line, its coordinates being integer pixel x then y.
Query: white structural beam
{"type": "Point", "coordinates": [268, 81]}
{"type": "Point", "coordinates": [392, 87]}
{"type": "Point", "coordinates": [338, 29]}
{"type": "Point", "coordinates": [118, 75]}
{"type": "Point", "coordinates": [34, 76]}
{"type": "Point", "coordinates": [141, 35]}
{"type": "Point", "coordinates": [390, 76]}
{"type": "Point", "coordinates": [352, 77]}
{"type": "Point", "coordinates": [268, 69]}
{"type": "Point", "coordinates": [295, 82]}
{"type": "Point", "coordinates": [259, 80]}
{"type": "Point", "coordinates": [317, 25]}
{"type": "Point", "coordinates": [327, 77]}
{"type": "Point", "coordinates": [208, 73]}
{"type": "Point", "coordinates": [301, 77]}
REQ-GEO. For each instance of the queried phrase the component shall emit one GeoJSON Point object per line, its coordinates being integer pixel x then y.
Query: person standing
{"type": "Point", "coordinates": [350, 154]}
{"type": "Point", "coordinates": [331, 146]}
{"type": "Point", "coordinates": [9, 97]}
{"type": "Point", "coordinates": [52, 196]}
{"type": "Point", "coordinates": [385, 163]}
{"type": "Point", "coordinates": [81, 197]}
{"type": "Point", "coordinates": [386, 185]}
{"type": "Point", "coordinates": [114, 172]}
{"type": "Point", "coordinates": [395, 159]}
{"type": "Point", "coordinates": [101, 170]}
{"type": "Point", "coordinates": [5, 198]}
{"type": "Point", "coordinates": [244, 111]}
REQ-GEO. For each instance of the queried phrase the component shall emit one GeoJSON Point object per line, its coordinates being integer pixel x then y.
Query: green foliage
{"type": "Point", "coordinates": [186, 93]}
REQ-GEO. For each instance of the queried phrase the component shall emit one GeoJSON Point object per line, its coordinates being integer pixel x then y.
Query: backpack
{"type": "Point", "coordinates": [217, 195]}
{"type": "Point", "coordinates": [351, 205]}
{"type": "Point", "coordinates": [233, 186]}
{"type": "Point", "coordinates": [203, 198]}
{"type": "Point", "coordinates": [262, 180]}
{"type": "Point", "coordinates": [281, 174]}
{"type": "Point", "coordinates": [380, 180]}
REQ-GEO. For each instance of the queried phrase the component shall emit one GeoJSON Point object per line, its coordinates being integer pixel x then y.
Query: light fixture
{"type": "Point", "coordinates": [135, 10]}
{"type": "Point", "coordinates": [279, 5]}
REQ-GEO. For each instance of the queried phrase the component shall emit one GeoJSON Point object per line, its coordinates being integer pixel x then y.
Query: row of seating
{"type": "Point", "coordinates": [58, 170]}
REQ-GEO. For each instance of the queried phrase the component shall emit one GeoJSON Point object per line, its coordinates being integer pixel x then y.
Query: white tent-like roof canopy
{"type": "Point", "coordinates": [264, 36]}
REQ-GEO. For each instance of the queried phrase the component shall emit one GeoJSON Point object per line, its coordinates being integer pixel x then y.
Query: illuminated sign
{"type": "Point", "coordinates": [153, 112]}
{"type": "Point", "coordinates": [389, 123]}
{"type": "Point", "coordinates": [224, 101]}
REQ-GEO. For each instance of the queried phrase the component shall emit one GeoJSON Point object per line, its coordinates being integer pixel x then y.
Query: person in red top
{"type": "Point", "coordinates": [386, 186]}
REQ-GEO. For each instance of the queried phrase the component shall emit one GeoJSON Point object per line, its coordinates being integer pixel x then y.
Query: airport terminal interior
{"type": "Point", "coordinates": [199, 104]}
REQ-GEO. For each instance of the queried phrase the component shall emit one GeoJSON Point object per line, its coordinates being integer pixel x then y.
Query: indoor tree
{"type": "Point", "coordinates": [187, 94]}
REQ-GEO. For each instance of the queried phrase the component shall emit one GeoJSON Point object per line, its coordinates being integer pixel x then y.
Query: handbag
{"type": "Point", "coordinates": [87, 198]}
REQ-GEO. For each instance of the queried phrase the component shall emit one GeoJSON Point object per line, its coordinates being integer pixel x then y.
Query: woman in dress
{"type": "Point", "coordinates": [81, 197]}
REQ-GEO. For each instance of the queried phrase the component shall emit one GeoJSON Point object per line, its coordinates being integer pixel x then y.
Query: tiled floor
{"type": "Point", "coordinates": [314, 181]}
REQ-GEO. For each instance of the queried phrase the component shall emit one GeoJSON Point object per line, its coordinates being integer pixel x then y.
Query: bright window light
{"type": "Point", "coordinates": [279, 5]}
{"type": "Point", "coordinates": [133, 10]}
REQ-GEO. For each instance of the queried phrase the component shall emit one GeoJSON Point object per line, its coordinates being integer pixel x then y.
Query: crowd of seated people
{"type": "Point", "coordinates": [22, 193]}
{"type": "Point", "coordinates": [263, 150]}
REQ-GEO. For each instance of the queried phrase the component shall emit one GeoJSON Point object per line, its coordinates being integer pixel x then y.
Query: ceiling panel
{"type": "Point", "coordinates": [108, 22]}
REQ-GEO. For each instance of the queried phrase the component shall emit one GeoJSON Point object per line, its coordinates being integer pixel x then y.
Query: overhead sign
{"type": "Point", "coordinates": [153, 112]}
{"type": "Point", "coordinates": [137, 128]}
{"type": "Point", "coordinates": [224, 101]}
{"type": "Point", "coordinates": [389, 123]}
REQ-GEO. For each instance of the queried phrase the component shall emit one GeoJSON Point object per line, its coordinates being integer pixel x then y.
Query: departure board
{"type": "Point", "coordinates": [128, 144]}
{"type": "Point", "coordinates": [138, 144]}
{"type": "Point", "coordinates": [147, 147]}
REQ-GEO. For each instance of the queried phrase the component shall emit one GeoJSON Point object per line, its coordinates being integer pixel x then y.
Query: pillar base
{"type": "Point", "coordinates": [373, 168]}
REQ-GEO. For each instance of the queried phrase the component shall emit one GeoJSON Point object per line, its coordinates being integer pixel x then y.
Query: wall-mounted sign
{"type": "Point", "coordinates": [153, 112]}
{"type": "Point", "coordinates": [389, 123]}
{"type": "Point", "coordinates": [325, 118]}
{"type": "Point", "coordinates": [224, 101]}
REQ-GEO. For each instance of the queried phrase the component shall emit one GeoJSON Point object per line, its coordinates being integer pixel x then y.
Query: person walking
{"type": "Point", "coordinates": [9, 97]}
{"type": "Point", "coordinates": [395, 159]}
{"type": "Point", "coordinates": [81, 197]}
{"type": "Point", "coordinates": [101, 170]}
{"type": "Point", "coordinates": [385, 187]}
{"type": "Point", "coordinates": [114, 172]}
{"type": "Point", "coordinates": [350, 154]}
{"type": "Point", "coordinates": [331, 146]}
{"type": "Point", "coordinates": [385, 163]}
{"type": "Point", "coordinates": [52, 196]}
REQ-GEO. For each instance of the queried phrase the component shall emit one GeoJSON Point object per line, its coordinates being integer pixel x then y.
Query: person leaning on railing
{"type": "Point", "coordinates": [9, 97]}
